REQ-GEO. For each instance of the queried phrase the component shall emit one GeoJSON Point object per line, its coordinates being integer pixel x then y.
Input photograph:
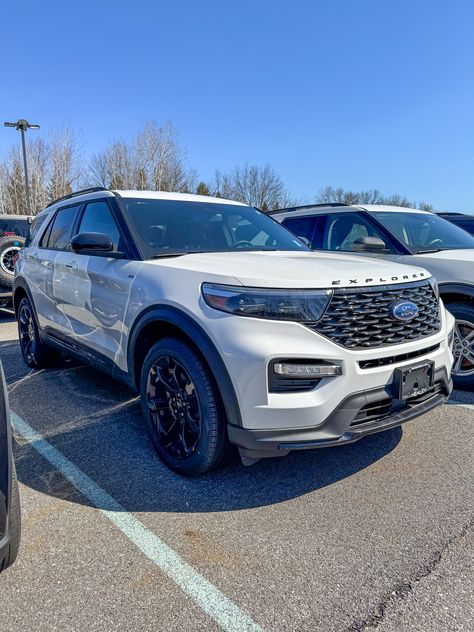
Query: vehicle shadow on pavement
{"type": "Point", "coordinates": [95, 422]}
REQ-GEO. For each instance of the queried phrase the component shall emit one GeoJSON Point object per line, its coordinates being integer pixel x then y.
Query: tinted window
{"type": "Point", "coordinates": [58, 235]}
{"type": "Point", "coordinates": [15, 226]}
{"type": "Point", "coordinates": [98, 218]}
{"type": "Point", "coordinates": [35, 226]}
{"type": "Point", "coordinates": [168, 226]}
{"type": "Point", "coordinates": [424, 231]}
{"type": "Point", "coordinates": [466, 225]}
{"type": "Point", "coordinates": [301, 226]}
{"type": "Point", "coordinates": [343, 231]}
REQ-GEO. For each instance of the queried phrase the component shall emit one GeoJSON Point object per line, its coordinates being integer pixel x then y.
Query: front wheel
{"type": "Point", "coordinates": [463, 346]}
{"type": "Point", "coordinates": [182, 409]}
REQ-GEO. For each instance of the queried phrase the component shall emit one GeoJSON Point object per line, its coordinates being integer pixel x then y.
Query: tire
{"type": "Point", "coordinates": [463, 347]}
{"type": "Point", "coordinates": [14, 524]}
{"type": "Point", "coordinates": [9, 248]}
{"type": "Point", "coordinates": [182, 409]}
{"type": "Point", "coordinates": [36, 354]}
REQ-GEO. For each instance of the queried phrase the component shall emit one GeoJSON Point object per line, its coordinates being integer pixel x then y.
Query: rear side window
{"type": "Point", "coordinates": [98, 218]}
{"type": "Point", "coordinates": [58, 235]}
{"type": "Point", "coordinates": [35, 226]}
{"type": "Point", "coordinates": [469, 226]}
{"type": "Point", "coordinates": [343, 231]}
{"type": "Point", "coordinates": [301, 226]}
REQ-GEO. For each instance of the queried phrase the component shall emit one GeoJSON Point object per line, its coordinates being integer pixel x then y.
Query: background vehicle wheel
{"type": "Point", "coordinates": [9, 249]}
{"type": "Point", "coordinates": [14, 524]}
{"type": "Point", "coordinates": [463, 348]}
{"type": "Point", "coordinates": [35, 353]}
{"type": "Point", "coordinates": [183, 412]}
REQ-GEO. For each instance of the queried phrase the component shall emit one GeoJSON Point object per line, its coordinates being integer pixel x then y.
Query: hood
{"type": "Point", "coordinates": [448, 266]}
{"type": "Point", "coordinates": [284, 269]}
{"type": "Point", "coordinates": [466, 255]}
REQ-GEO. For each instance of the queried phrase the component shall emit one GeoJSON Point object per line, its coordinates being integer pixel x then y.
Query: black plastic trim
{"type": "Point", "coordinates": [6, 463]}
{"type": "Point", "coordinates": [199, 337]}
{"type": "Point", "coordinates": [456, 288]}
{"type": "Point", "coordinates": [85, 354]}
{"type": "Point", "coordinates": [336, 429]}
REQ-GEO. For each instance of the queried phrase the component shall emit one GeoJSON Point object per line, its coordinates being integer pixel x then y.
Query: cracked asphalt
{"type": "Point", "coordinates": [372, 536]}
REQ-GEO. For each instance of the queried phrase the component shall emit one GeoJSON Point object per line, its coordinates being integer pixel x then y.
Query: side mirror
{"type": "Point", "coordinates": [91, 243]}
{"type": "Point", "coordinates": [369, 244]}
{"type": "Point", "coordinates": [306, 241]}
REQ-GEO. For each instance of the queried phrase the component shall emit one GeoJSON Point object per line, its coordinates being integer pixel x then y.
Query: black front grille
{"type": "Point", "coordinates": [359, 318]}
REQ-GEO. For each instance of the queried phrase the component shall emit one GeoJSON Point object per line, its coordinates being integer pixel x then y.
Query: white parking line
{"type": "Point", "coordinates": [470, 406]}
{"type": "Point", "coordinates": [208, 597]}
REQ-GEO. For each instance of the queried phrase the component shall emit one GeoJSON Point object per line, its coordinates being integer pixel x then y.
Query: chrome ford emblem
{"type": "Point", "coordinates": [403, 310]}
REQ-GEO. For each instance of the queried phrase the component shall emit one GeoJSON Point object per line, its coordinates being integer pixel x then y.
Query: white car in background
{"type": "Point", "coordinates": [403, 235]}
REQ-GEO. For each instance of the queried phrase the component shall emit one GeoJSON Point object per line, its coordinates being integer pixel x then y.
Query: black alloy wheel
{"type": "Point", "coordinates": [174, 407]}
{"type": "Point", "coordinates": [182, 408]}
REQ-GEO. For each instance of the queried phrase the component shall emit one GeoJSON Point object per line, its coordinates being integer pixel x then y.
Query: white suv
{"type": "Point", "coordinates": [407, 236]}
{"type": "Point", "coordinates": [230, 328]}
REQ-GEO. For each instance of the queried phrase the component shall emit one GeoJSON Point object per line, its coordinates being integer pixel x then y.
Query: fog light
{"type": "Point", "coordinates": [306, 371]}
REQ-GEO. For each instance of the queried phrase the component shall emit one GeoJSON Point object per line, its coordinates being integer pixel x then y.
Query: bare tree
{"type": "Point", "coordinates": [65, 164]}
{"type": "Point", "coordinates": [38, 162]}
{"type": "Point", "coordinates": [114, 167]}
{"type": "Point", "coordinates": [257, 186]}
{"type": "Point", "coordinates": [3, 188]}
{"type": "Point", "coordinates": [154, 159]}
{"type": "Point", "coordinates": [15, 184]}
{"type": "Point", "coordinates": [371, 196]}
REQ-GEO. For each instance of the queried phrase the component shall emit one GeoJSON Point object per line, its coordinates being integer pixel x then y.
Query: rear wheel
{"type": "Point", "coordinates": [463, 346]}
{"type": "Point", "coordinates": [35, 352]}
{"type": "Point", "coordinates": [182, 410]}
{"type": "Point", "coordinates": [9, 249]}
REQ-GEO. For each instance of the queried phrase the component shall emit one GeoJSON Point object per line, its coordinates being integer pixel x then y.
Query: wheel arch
{"type": "Point", "coordinates": [20, 291]}
{"type": "Point", "coordinates": [456, 293]}
{"type": "Point", "coordinates": [165, 321]}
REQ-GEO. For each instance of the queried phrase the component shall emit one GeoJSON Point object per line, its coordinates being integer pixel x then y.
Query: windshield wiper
{"type": "Point", "coordinates": [162, 255]}
{"type": "Point", "coordinates": [429, 250]}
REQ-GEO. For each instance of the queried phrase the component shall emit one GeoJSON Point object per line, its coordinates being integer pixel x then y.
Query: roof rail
{"type": "Point", "coordinates": [318, 205]}
{"type": "Point", "coordinates": [71, 195]}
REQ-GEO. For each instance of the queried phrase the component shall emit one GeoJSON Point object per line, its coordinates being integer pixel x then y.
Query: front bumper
{"type": "Point", "coordinates": [248, 346]}
{"type": "Point", "coordinates": [359, 415]}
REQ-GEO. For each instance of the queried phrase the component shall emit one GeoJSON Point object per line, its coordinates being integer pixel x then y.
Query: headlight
{"type": "Point", "coordinates": [306, 306]}
{"type": "Point", "coordinates": [434, 285]}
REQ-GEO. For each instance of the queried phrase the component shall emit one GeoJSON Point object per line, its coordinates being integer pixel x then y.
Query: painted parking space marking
{"type": "Point", "coordinates": [461, 405]}
{"type": "Point", "coordinates": [207, 596]}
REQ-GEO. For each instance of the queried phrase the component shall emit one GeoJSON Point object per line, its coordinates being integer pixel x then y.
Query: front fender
{"type": "Point", "coordinates": [194, 332]}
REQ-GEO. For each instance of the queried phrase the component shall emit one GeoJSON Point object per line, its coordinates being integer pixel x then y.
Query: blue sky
{"type": "Point", "coordinates": [354, 93]}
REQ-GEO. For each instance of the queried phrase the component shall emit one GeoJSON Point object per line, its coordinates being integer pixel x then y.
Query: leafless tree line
{"type": "Point", "coordinates": [54, 167]}
{"type": "Point", "coordinates": [153, 159]}
{"type": "Point", "coordinates": [371, 196]}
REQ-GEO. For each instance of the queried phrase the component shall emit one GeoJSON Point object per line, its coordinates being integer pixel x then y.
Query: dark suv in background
{"type": "Point", "coordinates": [466, 222]}
{"type": "Point", "coordinates": [14, 230]}
{"type": "Point", "coordinates": [10, 526]}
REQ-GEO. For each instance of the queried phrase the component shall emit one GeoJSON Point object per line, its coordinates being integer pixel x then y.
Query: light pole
{"type": "Point", "coordinates": [22, 126]}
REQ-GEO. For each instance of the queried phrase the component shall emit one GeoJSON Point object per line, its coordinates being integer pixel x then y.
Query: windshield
{"type": "Point", "coordinates": [423, 232]}
{"type": "Point", "coordinates": [170, 227]}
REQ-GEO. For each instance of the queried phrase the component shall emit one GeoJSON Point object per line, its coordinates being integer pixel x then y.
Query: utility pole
{"type": "Point", "coordinates": [22, 125]}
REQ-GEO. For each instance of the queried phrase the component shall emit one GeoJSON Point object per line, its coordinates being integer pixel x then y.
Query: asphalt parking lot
{"type": "Point", "coordinates": [376, 535]}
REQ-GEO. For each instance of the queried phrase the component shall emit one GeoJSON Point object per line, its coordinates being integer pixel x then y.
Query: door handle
{"type": "Point", "coordinates": [72, 265]}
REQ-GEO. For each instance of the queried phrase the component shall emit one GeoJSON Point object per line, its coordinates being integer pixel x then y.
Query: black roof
{"type": "Point", "coordinates": [309, 206]}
